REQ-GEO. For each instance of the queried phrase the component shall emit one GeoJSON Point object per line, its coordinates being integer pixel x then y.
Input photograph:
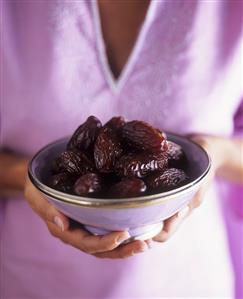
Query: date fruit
{"type": "Point", "coordinates": [166, 180]}
{"type": "Point", "coordinates": [115, 123]}
{"type": "Point", "coordinates": [121, 159]}
{"type": "Point", "coordinates": [131, 187]}
{"type": "Point", "coordinates": [88, 184]}
{"type": "Point", "coordinates": [85, 135]}
{"type": "Point", "coordinates": [176, 155]}
{"type": "Point", "coordinates": [73, 162]}
{"type": "Point", "coordinates": [106, 150]}
{"type": "Point", "coordinates": [142, 136]}
{"type": "Point", "coordinates": [141, 165]}
{"type": "Point", "coordinates": [61, 181]}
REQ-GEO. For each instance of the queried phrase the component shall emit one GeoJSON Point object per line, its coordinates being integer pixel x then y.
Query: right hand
{"type": "Point", "coordinates": [106, 246]}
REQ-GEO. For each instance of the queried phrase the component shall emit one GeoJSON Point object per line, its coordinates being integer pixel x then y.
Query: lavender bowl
{"type": "Point", "coordinates": [141, 216]}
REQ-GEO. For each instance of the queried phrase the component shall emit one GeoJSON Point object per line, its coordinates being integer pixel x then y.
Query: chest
{"type": "Point", "coordinates": [164, 81]}
{"type": "Point", "coordinates": [120, 23]}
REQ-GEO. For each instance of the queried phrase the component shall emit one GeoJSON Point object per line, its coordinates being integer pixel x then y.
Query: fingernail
{"type": "Point", "coordinates": [59, 223]}
{"type": "Point", "coordinates": [183, 213]}
{"type": "Point", "coordinates": [123, 238]}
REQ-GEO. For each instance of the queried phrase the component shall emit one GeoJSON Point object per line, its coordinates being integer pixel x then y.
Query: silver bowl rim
{"type": "Point", "coordinates": [132, 202]}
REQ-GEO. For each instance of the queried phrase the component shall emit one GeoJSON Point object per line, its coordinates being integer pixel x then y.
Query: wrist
{"type": "Point", "coordinates": [225, 154]}
{"type": "Point", "coordinates": [12, 173]}
{"type": "Point", "coordinates": [216, 149]}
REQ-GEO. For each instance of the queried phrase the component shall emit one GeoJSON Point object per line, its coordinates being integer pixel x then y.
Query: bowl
{"type": "Point", "coordinates": [141, 216]}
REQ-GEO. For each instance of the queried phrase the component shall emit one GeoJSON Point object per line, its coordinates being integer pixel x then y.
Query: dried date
{"type": "Point", "coordinates": [85, 135]}
{"type": "Point", "coordinates": [131, 187]}
{"type": "Point", "coordinates": [113, 160]}
{"type": "Point", "coordinates": [73, 162]}
{"type": "Point", "coordinates": [176, 155]}
{"type": "Point", "coordinates": [88, 184]}
{"type": "Point", "coordinates": [106, 150]}
{"type": "Point", "coordinates": [166, 180]}
{"type": "Point", "coordinates": [115, 123]}
{"type": "Point", "coordinates": [62, 182]}
{"type": "Point", "coordinates": [141, 165]}
{"type": "Point", "coordinates": [142, 136]}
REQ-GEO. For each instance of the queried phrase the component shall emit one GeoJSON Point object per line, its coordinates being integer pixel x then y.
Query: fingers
{"type": "Point", "coordinates": [58, 225]}
{"type": "Point", "coordinates": [125, 251]}
{"type": "Point", "coordinates": [106, 246]}
{"type": "Point", "coordinates": [172, 224]}
{"type": "Point", "coordinates": [44, 209]}
{"type": "Point", "coordinates": [86, 242]}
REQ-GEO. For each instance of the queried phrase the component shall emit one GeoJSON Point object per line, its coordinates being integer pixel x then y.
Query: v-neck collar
{"type": "Point", "coordinates": [116, 84]}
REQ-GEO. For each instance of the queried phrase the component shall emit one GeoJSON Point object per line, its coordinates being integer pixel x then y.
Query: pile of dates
{"type": "Point", "coordinates": [118, 160]}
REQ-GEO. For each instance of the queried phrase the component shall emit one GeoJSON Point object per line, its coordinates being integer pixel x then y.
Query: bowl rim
{"type": "Point", "coordinates": [132, 202]}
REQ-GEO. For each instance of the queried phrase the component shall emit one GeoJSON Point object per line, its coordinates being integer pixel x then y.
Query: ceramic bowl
{"type": "Point", "coordinates": [141, 216]}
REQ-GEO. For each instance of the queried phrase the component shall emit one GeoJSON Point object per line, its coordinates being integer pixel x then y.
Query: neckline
{"type": "Point", "coordinates": [116, 84]}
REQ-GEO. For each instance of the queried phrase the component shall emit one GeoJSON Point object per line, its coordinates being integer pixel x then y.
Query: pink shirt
{"type": "Point", "coordinates": [183, 75]}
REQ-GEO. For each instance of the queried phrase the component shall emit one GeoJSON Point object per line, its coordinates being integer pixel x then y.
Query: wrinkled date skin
{"type": "Point", "coordinates": [85, 135]}
{"type": "Point", "coordinates": [166, 180]}
{"type": "Point", "coordinates": [87, 184]}
{"type": "Point", "coordinates": [61, 181]}
{"type": "Point", "coordinates": [120, 160]}
{"type": "Point", "coordinates": [106, 150]}
{"type": "Point", "coordinates": [140, 165]}
{"type": "Point", "coordinates": [176, 155]}
{"type": "Point", "coordinates": [115, 123]}
{"type": "Point", "coordinates": [73, 162]}
{"type": "Point", "coordinates": [131, 187]}
{"type": "Point", "coordinates": [142, 136]}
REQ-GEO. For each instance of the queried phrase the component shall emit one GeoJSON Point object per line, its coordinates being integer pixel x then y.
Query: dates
{"type": "Point", "coordinates": [115, 123]}
{"type": "Point", "coordinates": [106, 150]}
{"type": "Point", "coordinates": [176, 155]}
{"type": "Point", "coordinates": [166, 180]}
{"type": "Point", "coordinates": [87, 184]}
{"type": "Point", "coordinates": [118, 160]}
{"type": "Point", "coordinates": [73, 162]}
{"type": "Point", "coordinates": [85, 135]}
{"type": "Point", "coordinates": [140, 165]}
{"type": "Point", "coordinates": [142, 136]}
{"type": "Point", "coordinates": [128, 188]}
{"type": "Point", "coordinates": [62, 181]}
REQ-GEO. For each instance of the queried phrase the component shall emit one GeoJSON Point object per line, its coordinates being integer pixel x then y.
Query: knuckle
{"type": "Point", "coordinates": [161, 238]}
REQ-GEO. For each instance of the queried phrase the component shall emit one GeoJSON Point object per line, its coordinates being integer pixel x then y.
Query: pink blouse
{"type": "Point", "coordinates": [183, 75]}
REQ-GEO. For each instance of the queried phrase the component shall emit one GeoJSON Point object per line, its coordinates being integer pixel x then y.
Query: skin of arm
{"type": "Point", "coordinates": [13, 170]}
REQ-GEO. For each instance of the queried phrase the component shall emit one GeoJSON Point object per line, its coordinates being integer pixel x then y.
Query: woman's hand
{"type": "Point", "coordinates": [59, 226]}
{"type": "Point", "coordinates": [225, 157]}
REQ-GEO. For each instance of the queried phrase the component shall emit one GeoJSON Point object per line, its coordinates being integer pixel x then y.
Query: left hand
{"type": "Point", "coordinates": [171, 224]}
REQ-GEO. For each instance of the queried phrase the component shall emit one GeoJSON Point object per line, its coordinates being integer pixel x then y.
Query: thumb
{"type": "Point", "coordinates": [53, 215]}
